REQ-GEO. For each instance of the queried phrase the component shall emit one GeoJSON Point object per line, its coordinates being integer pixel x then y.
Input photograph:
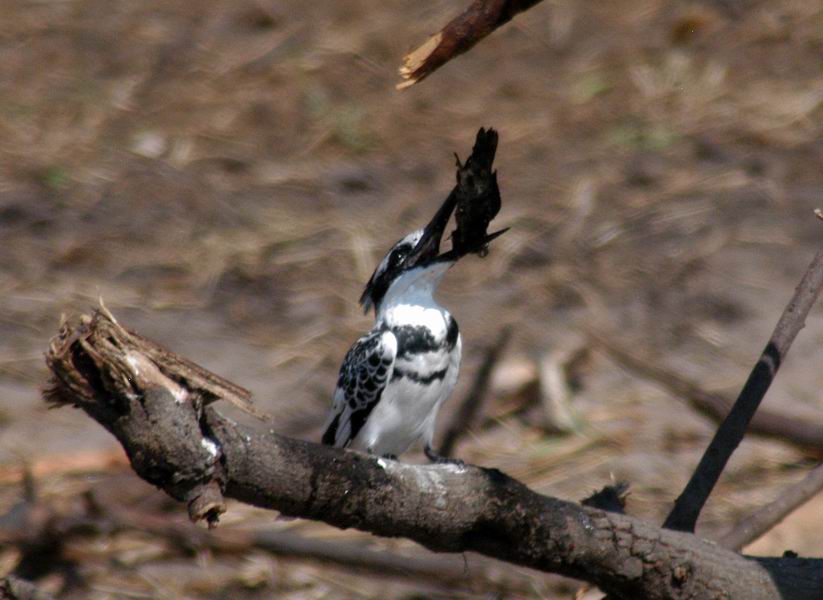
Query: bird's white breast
{"type": "Point", "coordinates": [421, 382]}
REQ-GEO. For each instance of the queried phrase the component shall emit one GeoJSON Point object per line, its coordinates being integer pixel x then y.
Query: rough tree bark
{"type": "Point", "coordinates": [197, 456]}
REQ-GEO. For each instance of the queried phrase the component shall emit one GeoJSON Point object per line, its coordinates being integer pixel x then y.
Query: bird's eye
{"type": "Point", "coordinates": [398, 256]}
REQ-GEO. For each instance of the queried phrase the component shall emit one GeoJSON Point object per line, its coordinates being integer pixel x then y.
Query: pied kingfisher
{"type": "Point", "coordinates": [394, 379]}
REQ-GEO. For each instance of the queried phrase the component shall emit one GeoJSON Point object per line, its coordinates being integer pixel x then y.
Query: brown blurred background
{"type": "Point", "coordinates": [225, 175]}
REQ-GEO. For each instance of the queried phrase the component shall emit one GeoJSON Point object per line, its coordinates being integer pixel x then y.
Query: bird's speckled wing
{"type": "Point", "coordinates": [367, 368]}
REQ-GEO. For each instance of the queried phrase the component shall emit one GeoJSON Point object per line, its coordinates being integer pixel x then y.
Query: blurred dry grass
{"type": "Point", "coordinates": [227, 174]}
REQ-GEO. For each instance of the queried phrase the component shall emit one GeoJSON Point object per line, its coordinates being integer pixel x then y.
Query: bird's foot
{"type": "Point", "coordinates": [439, 459]}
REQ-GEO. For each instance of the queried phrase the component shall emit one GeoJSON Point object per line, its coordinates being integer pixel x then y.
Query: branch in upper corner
{"type": "Point", "coordinates": [683, 516]}
{"type": "Point", "coordinates": [765, 518]}
{"type": "Point", "coordinates": [480, 19]}
{"type": "Point", "coordinates": [446, 508]}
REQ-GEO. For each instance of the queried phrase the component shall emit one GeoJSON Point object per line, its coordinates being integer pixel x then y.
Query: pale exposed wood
{"type": "Point", "coordinates": [480, 19]}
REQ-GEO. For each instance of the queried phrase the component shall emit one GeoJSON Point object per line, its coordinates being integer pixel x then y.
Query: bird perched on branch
{"type": "Point", "coordinates": [395, 378]}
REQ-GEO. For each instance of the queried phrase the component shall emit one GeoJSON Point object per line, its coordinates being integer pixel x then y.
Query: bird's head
{"type": "Point", "coordinates": [413, 257]}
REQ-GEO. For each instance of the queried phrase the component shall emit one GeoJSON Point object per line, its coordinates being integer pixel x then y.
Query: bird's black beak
{"type": "Point", "coordinates": [428, 247]}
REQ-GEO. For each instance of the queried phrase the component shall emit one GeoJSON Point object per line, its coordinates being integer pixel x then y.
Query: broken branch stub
{"type": "Point", "coordinates": [100, 367]}
{"type": "Point", "coordinates": [480, 19]}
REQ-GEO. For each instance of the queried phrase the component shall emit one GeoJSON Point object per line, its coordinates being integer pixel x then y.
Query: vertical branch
{"type": "Point", "coordinates": [683, 516]}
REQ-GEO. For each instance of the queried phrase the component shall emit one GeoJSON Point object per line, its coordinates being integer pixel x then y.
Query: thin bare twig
{"type": "Point", "coordinates": [480, 19]}
{"type": "Point", "coordinates": [465, 415]}
{"type": "Point", "coordinates": [683, 516]}
{"type": "Point", "coordinates": [765, 518]}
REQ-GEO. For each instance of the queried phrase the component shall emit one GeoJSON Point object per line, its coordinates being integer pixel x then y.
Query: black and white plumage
{"type": "Point", "coordinates": [395, 378]}
{"type": "Point", "coordinates": [367, 368]}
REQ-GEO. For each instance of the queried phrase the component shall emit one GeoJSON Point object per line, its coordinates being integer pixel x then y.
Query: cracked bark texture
{"type": "Point", "coordinates": [197, 456]}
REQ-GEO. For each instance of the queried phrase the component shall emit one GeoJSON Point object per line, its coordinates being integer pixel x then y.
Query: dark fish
{"type": "Point", "coordinates": [478, 197]}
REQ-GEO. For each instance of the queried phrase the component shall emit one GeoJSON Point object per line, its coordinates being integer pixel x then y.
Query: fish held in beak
{"type": "Point", "coordinates": [478, 197]}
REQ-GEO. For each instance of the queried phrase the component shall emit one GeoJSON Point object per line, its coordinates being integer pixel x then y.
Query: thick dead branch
{"type": "Point", "coordinates": [683, 516]}
{"type": "Point", "coordinates": [803, 432]}
{"type": "Point", "coordinates": [447, 508]}
{"type": "Point", "coordinates": [162, 439]}
{"type": "Point", "coordinates": [480, 19]}
{"type": "Point", "coordinates": [470, 406]}
{"type": "Point", "coordinates": [765, 518]}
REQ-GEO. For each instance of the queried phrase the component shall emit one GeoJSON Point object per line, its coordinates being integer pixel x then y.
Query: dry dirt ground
{"type": "Point", "coordinates": [226, 174]}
